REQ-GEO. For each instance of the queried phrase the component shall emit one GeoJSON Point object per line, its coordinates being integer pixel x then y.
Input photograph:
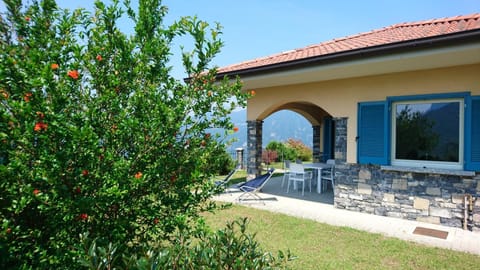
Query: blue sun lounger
{"type": "Point", "coordinates": [252, 187]}
{"type": "Point", "coordinates": [223, 184]}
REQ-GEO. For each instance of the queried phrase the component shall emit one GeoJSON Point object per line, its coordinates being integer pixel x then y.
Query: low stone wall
{"type": "Point", "coordinates": [424, 196]}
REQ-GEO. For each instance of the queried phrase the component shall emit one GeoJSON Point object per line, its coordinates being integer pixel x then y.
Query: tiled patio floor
{"type": "Point", "coordinates": [274, 187]}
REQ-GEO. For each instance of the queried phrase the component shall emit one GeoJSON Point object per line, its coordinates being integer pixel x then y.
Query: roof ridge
{"type": "Point", "coordinates": [398, 25]}
{"type": "Point", "coordinates": [437, 20]}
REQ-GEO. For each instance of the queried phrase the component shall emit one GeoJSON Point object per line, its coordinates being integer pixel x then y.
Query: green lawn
{"type": "Point", "coordinates": [321, 246]}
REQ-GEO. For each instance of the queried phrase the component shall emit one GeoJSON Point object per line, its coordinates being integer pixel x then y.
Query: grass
{"type": "Point", "coordinates": [321, 246]}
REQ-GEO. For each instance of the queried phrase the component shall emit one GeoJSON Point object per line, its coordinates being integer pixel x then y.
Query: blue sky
{"type": "Point", "coordinates": [257, 28]}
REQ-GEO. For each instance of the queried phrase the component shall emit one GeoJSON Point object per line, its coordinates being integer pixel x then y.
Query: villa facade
{"type": "Point", "coordinates": [398, 108]}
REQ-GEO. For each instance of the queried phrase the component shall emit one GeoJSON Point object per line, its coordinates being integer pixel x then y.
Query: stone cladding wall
{"type": "Point", "coordinates": [254, 148]}
{"type": "Point", "coordinates": [427, 196]}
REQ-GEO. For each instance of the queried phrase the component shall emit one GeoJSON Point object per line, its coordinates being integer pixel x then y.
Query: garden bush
{"type": "Point", "coordinates": [225, 163]}
{"type": "Point", "coordinates": [228, 248]}
{"type": "Point", "coordinates": [96, 136]}
{"type": "Point", "coordinates": [283, 152]}
{"type": "Point", "coordinates": [302, 152]}
{"type": "Point", "coordinates": [269, 156]}
{"type": "Point", "coordinates": [290, 150]}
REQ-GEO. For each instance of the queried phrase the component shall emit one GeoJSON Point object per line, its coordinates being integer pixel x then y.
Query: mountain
{"type": "Point", "coordinates": [280, 126]}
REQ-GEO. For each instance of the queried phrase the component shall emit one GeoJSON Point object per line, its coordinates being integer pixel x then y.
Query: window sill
{"type": "Point", "coordinates": [427, 170]}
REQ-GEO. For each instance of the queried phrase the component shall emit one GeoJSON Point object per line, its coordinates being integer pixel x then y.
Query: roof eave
{"type": "Point", "coordinates": [424, 43]}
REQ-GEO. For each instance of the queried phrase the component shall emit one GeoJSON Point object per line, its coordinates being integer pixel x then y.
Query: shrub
{"type": "Point", "coordinates": [283, 152]}
{"type": "Point", "coordinates": [229, 248]}
{"type": "Point", "coordinates": [95, 134]}
{"type": "Point", "coordinates": [290, 150]}
{"type": "Point", "coordinates": [225, 161]}
{"type": "Point", "coordinates": [302, 151]}
{"type": "Point", "coordinates": [269, 156]}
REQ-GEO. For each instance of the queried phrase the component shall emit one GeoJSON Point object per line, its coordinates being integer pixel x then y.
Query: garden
{"type": "Point", "coordinates": [106, 160]}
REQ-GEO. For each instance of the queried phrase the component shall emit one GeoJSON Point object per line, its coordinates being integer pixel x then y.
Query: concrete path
{"type": "Point", "coordinates": [457, 239]}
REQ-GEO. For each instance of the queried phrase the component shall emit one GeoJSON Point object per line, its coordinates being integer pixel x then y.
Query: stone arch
{"type": "Point", "coordinates": [312, 112]}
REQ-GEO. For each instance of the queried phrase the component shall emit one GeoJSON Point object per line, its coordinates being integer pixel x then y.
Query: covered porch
{"type": "Point", "coordinates": [328, 134]}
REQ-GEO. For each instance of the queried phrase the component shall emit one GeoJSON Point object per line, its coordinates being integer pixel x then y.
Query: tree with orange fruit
{"type": "Point", "coordinates": [97, 138]}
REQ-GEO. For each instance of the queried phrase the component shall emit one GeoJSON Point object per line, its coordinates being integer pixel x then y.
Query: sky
{"type": "Point", "coordinates": [258, 28]}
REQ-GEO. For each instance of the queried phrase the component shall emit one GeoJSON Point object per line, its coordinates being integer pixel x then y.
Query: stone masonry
{"type": "Point", "coordinates": [317, 155]}
{"type": "Point", "coordinates": [254, 148]}
{"type": "Point", "coordinates": [340, 139]}
{"type": "Point", "coordinates": [424, 196]}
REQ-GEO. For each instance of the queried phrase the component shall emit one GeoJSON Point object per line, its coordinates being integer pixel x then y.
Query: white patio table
{"type": "Point", "coordinates": [319, 167]}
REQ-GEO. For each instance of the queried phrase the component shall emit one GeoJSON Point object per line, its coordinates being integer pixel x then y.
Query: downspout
{"type": "Point", "coordinates": [468, 212]}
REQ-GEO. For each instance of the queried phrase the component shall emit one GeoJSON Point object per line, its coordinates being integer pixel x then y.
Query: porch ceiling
{"type": "Point", "coordinates": [368, 65]}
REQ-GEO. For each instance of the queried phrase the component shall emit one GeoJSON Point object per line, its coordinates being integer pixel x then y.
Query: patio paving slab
{"type": "Point", "coordinates": [319, 207]}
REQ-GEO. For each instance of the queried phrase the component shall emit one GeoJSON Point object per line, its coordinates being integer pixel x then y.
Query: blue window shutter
{"type": "Point", "coordinates": [372, 140]}
{"type": "Point", "coordinates": [472, 132]}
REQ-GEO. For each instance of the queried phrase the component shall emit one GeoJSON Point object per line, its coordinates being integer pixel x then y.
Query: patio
{"type": "Point", "coordinates": [319, 207]}
{"type": "Point", "coordinates": [274, 187]}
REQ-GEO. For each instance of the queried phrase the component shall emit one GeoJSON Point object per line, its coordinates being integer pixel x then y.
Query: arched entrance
{"type": "Point", "coordinates": [323, 131]}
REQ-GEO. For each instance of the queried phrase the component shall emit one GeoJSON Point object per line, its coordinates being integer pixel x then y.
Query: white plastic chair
{"type": "Point", "coordinates": [286, 171]}
{"type": "Point", "coordinates": [298, 174]}
{"type": "Point", "coordinates": [328, 174]}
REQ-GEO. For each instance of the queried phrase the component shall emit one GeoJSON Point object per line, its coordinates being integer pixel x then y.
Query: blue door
{"type": "Point", "coordinates": [328, 138]}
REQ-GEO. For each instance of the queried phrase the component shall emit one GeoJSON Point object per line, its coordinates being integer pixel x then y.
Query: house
{"type": "Point", "coordinates": [398, 108]}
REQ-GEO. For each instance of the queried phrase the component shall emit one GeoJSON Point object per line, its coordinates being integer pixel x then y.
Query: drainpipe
{"type": "Point", "coordinates": [468, 212]}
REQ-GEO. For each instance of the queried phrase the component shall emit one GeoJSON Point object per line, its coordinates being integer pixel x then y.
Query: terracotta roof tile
{"type": "Point", "coordinates": [392, 34]}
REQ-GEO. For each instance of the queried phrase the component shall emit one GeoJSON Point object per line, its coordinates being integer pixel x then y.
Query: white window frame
{"type": "Point", "coordinates": [428, 164]}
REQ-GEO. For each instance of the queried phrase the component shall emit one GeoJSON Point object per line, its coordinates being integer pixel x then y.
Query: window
{"type": "Point", "coordinates": [428, 133]}
{"type": "Point", "coordinates": [431, 131]}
